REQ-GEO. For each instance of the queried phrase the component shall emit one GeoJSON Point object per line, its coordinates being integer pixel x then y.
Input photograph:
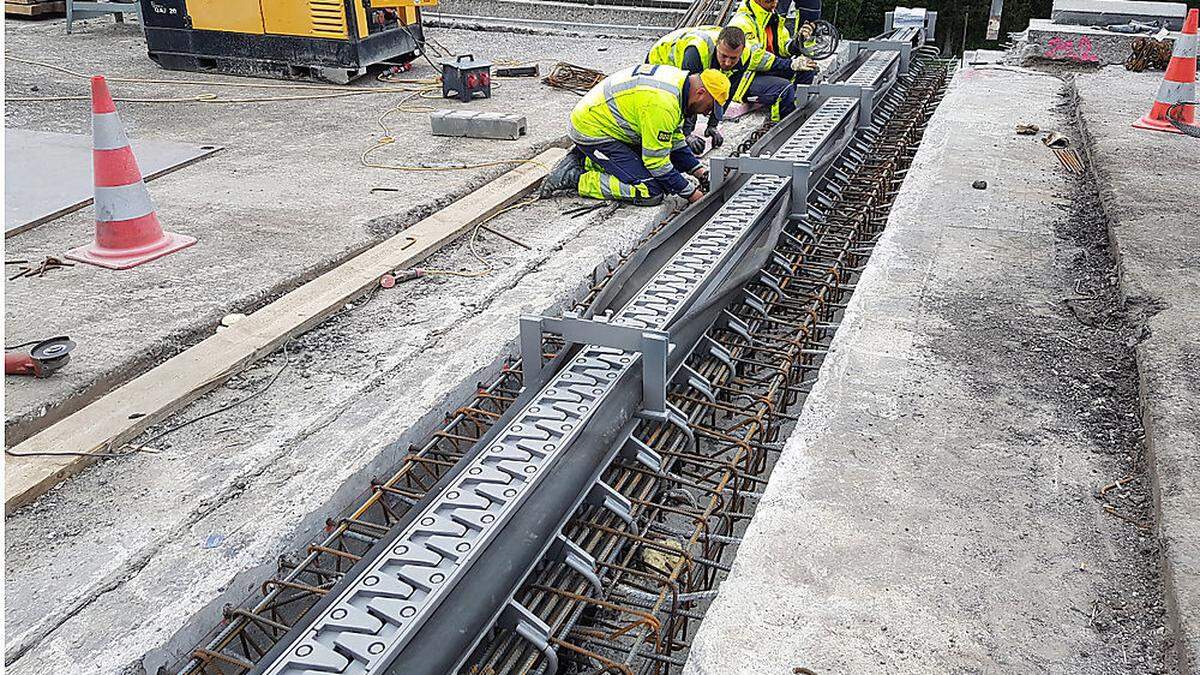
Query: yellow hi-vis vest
{"type": "Point", "coordinates": [764, 30]}
{"type": "Point", "coordinates": [639, 106]}
{"type": "Point", "coordinates": [670, 49]}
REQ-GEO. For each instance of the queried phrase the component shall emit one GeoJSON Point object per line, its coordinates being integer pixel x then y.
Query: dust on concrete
{"type": "Point", "coordinates": [1086, 368]}
{"type": "Point", "coordinates": [286, 199]}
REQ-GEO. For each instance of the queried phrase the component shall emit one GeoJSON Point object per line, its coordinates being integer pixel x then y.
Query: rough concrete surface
{"type": "Point", "coordinates": [286, 199]}
{"type": "Point", "coordinates": [605, 18]}
{"type": "Point", "coordinates": [1075, 45]}
{"type": "Point", "coordinates": [943, 505]}
{"type": "Point", "coordinates": [1148, 184]}
{"type": "Point", "coordinates": [353, 395]}
{"type": "Point", "coordinates": [348, 399]}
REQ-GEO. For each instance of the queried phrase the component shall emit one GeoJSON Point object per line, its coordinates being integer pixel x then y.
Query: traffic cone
{"type": "Point", "coordinates": [1179, 82]}
{"type": "Point", "coordinates": [127, 229]}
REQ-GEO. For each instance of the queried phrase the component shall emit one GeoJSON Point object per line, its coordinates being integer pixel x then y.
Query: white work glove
{"type": "Point", "coordinates": [802, 63]}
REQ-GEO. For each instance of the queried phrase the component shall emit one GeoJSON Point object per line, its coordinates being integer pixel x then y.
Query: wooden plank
{"type": "Point", "coordinates": [106, 424]}
{"type": "Point", "coordinates": [35, 9]}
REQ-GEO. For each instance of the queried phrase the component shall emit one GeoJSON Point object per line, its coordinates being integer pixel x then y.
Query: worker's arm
{"type": "Point", "coordinates": [660, 136]}
{"type": "Point", "coordinates": [714, 120]}
{"type": "Point", "coordinates": [691, 61]}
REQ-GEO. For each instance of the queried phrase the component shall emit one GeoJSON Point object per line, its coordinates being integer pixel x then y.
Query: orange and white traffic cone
{"type": "Point", "coordinates": [1179, 83]}
{"type": "Point", "coordinates": [127, 229]}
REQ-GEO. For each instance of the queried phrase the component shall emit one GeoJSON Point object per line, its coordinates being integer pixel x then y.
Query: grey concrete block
{"type": "Point", "coordinates": [501, 126]}
{"type": "Point", "coordinates": [1107, 12]}
{"type": "Point", "coordinates": [1049, 41]}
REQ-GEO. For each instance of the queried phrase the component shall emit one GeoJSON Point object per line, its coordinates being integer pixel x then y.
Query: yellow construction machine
{"type": "Point", "coordinates": [334, 40]}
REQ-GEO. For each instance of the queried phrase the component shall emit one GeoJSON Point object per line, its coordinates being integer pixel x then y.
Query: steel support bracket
{"type": "Point", "coordinates": [518, 619]}
{"type": "Point", "coordinates": [605, 496]}
{"type": "Point", "coordinates": [572, 555]}
{"type": "Point", "coordinates": [672, 416]}
{"type": "Point", "coordinates": [799, 172]}
{"type": "Point", "coordinates": [865, 96]}
{"type": "Point", "coordinates": [905, 48]}
{"type": "Point", "coordinates": [653, 345]}
{"type": "Point", "coordinates": [720, 353]}
{"type": "Point", "coordinates": [635, 450]}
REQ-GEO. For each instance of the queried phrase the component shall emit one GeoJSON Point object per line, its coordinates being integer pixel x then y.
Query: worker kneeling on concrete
{"type": "Point", "coordinates": [698, 49]}
{"type": "Point", "coordinates": [629, 142]}
{"type": "Point", "coordinates": [766, 30]}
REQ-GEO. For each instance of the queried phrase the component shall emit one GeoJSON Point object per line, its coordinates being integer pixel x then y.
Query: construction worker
{"type": "Point", "coordinates": [766, 30]}
{"type": "Point", "coordinates": [806, 10]}
{"type": "Point", "coordinates": [700, 48]}
{"type": "Point", "coordinates": [628, 135]}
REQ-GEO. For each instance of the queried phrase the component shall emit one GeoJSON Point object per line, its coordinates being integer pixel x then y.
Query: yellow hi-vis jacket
{"type": "Point", "coordinates": [639, 106]}
{"type": "Point", "coordinates": [671, 50]}
{"type": "Point", "coordinates": [764, 30]}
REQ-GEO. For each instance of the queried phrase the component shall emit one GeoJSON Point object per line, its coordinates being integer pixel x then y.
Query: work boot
{"type": "Point", "coordinates": [652, 200]}
{"type": "Point", "coordinates": [565, 175]}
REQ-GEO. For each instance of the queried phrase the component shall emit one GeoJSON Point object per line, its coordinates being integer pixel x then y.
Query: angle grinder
{"type": "Point", "coordinates": [41, 360]}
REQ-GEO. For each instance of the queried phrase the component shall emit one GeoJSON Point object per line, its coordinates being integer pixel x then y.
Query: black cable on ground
{"type": "Point", "coordinates": [1172, 117]}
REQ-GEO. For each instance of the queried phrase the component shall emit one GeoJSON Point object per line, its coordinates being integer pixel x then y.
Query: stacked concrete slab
{"type": "Point", "coordinates": [1077, 30]}
{"type": "Point", "coordinates": [1108, 12]}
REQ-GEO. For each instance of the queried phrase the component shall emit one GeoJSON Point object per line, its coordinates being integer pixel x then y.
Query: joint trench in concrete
{"type": "Point", "coordinates": [503, 652]}
{"type": "Point", "coordinates": [1137, 178]}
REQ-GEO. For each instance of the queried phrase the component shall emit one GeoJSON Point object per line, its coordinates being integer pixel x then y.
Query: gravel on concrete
{"type": "Point", "coordinates": [287, 199]}
{"type": "Point", "coordinates": [965, 490]}
{"type": "Point", "coordinates": [1148, 182]}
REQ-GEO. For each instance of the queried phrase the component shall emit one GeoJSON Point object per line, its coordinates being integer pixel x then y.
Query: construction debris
{"type": "Point", "coordinates": [573, 78]}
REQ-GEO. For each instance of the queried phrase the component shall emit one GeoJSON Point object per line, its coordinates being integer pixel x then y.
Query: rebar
{"type": "Point", "coordinates": [691, 510]}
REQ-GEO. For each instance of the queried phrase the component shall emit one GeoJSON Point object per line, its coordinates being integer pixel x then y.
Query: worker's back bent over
{"type": "Point", "coordinates": [629, 142]}
{"type": "Point", "coordinates": [699, 48]}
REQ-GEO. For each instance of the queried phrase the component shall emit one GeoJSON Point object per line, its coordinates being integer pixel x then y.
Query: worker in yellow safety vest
{"type": "Point", "coordinates": [700, 48]}
{"type": "Point", "coordinates": [629, 142]}
{"type": "Point", "coordinates": [766, 30]}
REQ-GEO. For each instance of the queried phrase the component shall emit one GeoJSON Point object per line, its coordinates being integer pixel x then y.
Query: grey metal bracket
{"type": "Point", "coordinates": [799, 172]}
{"type": "Point", "coordinates": [654, 346]}
{"type": "Point", "coordinates": [671, 416]}
{"type": "Point", "coordinates": [604, 496]}
{"type": "Point", "coordinates": [698, 382]}
{"type": "Point", "coordinates": [572, 555]}
{"type": "Point", "coordinates": [771, 281]}
{"type": "Point", "coordinates": [860, 46]}
{"type": "Point", "coordinates": [720, 353]}
{"type": "Point", "coordinates": [738, 326]}
{"type": "Point", "coordinates": [634, 450]}
{"type": "Point", "coordinates": [518, 619]}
